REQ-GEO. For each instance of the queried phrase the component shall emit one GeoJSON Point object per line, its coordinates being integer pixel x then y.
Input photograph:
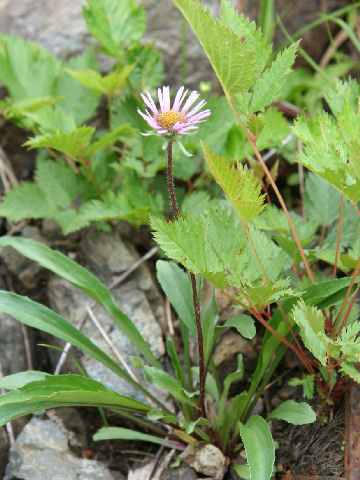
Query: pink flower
{"type": "Point", "coordinates": [177, 119]}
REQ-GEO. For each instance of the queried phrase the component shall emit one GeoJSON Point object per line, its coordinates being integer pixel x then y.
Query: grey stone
{"type": "Point", "coordinates": [41, 453]}
{"type": "Point", "coordinates": [29, 272]}
{"type": "Point", "coordinates": [206, 459]}
{"type": "Point", "coordinates": [137, 298]}
{"type": "Point", "coordinates": [179, 473]}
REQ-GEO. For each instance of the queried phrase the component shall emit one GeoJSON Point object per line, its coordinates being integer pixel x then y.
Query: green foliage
{"type": "Point", "coordinates": [118, 433]}
{"type": "Point", "coordinates": [307, 382]}
{"type": "Point", "coordinates": [257, 438]}
{"type": "Point", "coordinates": [229, 54]}
{"type": "Point", "coordinates": [27, 70]}
{"type": "Point", "coordinates": [114, 23]}
{"type": "Point", "coordinates": [239, 185]}
{"type": "Point", "coordinates": [294, 413]}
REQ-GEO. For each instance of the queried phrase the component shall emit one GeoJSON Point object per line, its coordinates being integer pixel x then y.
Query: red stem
{"type": "Point", "coordinates": [252, 141]}
{"type": "Point", "coordinates": [202, 374]}
{"type": "Point", "coordinates": [339, 235]}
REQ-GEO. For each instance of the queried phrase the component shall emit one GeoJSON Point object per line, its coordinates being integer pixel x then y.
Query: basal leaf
{"type": "Point", "coordinates": [80, 277]}
{"type": "Point", "coordinates": [25, 201]}
{"type": "Point", "coordinates": [240, 186]}
{"type": "Point", "coordinates": [63, 390]}
{"type": "Point", "coordinates": [119, 433]}
{"type": "Point", "coordinates": [164, 381]}
{"type": "Point", "coordinates": [114, 24]}
{"type": "Point", "coordinates": [259, 447]}
{"type": "Point", "coordinates": [244, 324]}
{"type": "Point", "coordinates": [296, 413]}
{"type": "Point", "coordinates": [231, 57]}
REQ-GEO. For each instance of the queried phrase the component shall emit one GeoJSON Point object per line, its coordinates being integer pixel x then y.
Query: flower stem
{"type": "Point", "coordinates": [252, 141]}
{"type": "Point", "coordinates": [202, 374]}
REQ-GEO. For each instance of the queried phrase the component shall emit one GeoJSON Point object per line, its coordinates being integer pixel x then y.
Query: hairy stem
{"type": "Point", "coordinates": [252, 141]}
{"type": "Point", "coordinates": [202, 374]}
{"type": "Point", "coordinates": [339, 235]}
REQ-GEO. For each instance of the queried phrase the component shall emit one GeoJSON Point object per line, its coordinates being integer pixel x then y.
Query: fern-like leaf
{"type": "Point", "coordinates": [240, 186]}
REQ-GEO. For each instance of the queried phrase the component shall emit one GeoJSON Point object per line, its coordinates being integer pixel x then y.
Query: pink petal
{"type": "Point", "coordinates": [199, 116]}
{"type": "Point", "coordinates": [149, 102]}
{"type": "Point", "coordinates": [196, 109]}
{"type": "Point", "coordinates": [187, 129]}
{"type": "Point", "coordinates": [192, 98]}
{"type": "Point", "coordinates": [150, 121]}
{"type": "Point", "coordinates": [161, 101]}
{"type": "Point", "coordinates": [177, 101]}
{"type": "Point", "coordinates": [166, 98]}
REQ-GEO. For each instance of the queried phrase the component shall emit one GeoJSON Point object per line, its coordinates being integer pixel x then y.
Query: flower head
{"type": "Point", "coordinates": [178, 119]}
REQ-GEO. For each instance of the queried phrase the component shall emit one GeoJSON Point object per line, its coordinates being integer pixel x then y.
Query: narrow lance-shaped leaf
{"type": "Point", "coordinates": [63, 390]}
{"type": "Point", "coordinates": [240, 186]}
{"type": "Point", "coordinates": [82, 279]}
{"type": "Point", "coordinates": [230, 56]}
{"type": "Point", "coordinates": [118, 433]}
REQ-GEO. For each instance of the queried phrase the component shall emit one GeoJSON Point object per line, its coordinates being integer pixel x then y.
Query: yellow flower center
{"type": "Point", "coordinates": [169, 118]}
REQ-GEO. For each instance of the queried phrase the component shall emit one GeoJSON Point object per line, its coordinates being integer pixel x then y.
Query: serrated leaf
{"type": "Point", "coordinates": [184, 241]}
{"type": "Point", "coordinates": [271, 292]}
{"type": "Point", "coordinates": [230, 56]}
{"type": "Point", "coordinates": [79, 101]}
{"type": "Point", "coordinates": [26, 69]}
{"type": "Point", "coordinates": [25, 201]}
{"type": "Point", "coordinates": [296, 413]}
{"type": "Point", "coordinates": [123, 132]}
{"type": "Point", "coordinates": [259, 447]}
{"type": "Point", "coordinates": [243, 28]}
{"type": "Point", "coordinates": [51, 119]}
{"type": "Point", "coordinates": [114, 23]}
{"type": "Point", "coordinates": [72, 143]}
{"type": "Point", "coordinates": [269, 84]}
{"type": "Point", "coordinates": [307, 382]}
{"type": "Point", "coordinates": [351, 371]}
{"type": "Point", "coordinates": [111, 84]}
{"type": "Point", "coordinates": [240, 186]}
{"type": "Point", "coordinates": [321, 200]}
{"type": "Point", "coordinates": [62, 390]}
{"type": "Point", "coordinates": [311, 322]}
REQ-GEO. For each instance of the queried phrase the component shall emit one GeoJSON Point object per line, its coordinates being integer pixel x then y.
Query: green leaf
{"type": "Point", "coordinates": [244, 324]}
{"type": "Point", "coordinates": [26, 69]}
{"type": "Point", "coordinates": [115, 23]}
{"type": "Point", "coordinates": [184, 241]}
{"type": "Point", "coordinates": [79, 100]}
{"type": "Point", "coordinates": [177, 287]}
{"type": "Point", "coordinates": [17, 380]}
{"type": "Point", "coordinates": [259, 447]}
{"type": "Point", "coordinates": [118, 433]}
{"type": "Point", "coordinates": [240, 186]}
{"type": "Point", "coordinates": [311, 322]}
{"type": "Point", "coordinates": [164, 381]}
{"type": "Point", "coordinates": [111, 84]}
{"type": "Point", "coordinates": [37, 316]}
{"type": "Point", "coordinates": [271, 292]}
{"type": "Point", "coordinates": [243, 28]}
{"type": "Point", "coordinates": [72, 143]}
{"type": "Point", "coordinates": [269, 84]}
{"type": "Point", "coordinates": [25, 201]}
{"type": "Point", "coordinates": [321, 200]}
{"type": "Point", "coordinates": [229, 55]}
{"type": "Point", "coordinates": [63, 390]}
{"type": "Point", "coordinates": [123, 132]}
{"type": "Point", "coordinates": [351, 371]}
{"type": "Point", "coordinates": [296, 413]}
{"type": "Point", "coordinates": [209, 320]}
{"type": "Point", "coordinates": [242, 471]}
{"type": "Point", "coordinates": [82, 279]}
{"type": "Point", "coordinates": [307, 382]}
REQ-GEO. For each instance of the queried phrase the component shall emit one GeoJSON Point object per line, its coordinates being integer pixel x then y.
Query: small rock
{"type": "Point", "coordinates": [41, 453]}
{"type": "Point", "coordinates": [179, 473]}
{"type": "Point", "coordinates": [206, 459]}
